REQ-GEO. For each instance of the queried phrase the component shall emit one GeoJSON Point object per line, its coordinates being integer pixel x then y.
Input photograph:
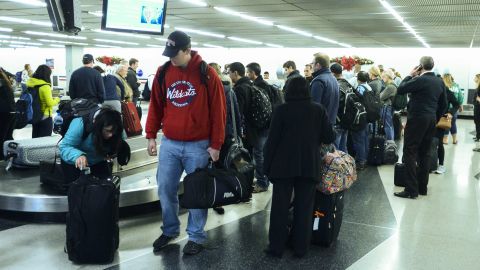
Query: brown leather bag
{"type": "Point", "coordinates": [444, 123]}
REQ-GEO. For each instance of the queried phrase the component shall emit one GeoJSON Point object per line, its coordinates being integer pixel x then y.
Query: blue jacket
{"type": "Point", "coordinates": [326, 92]}
{"type": "Point", "coordinates": [110, 82]}
{"type": "Point", "coordinates": [73, 145]}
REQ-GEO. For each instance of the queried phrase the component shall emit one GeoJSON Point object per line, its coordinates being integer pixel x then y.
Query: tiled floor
{"type": "Point", "coordinates": [380, 231]}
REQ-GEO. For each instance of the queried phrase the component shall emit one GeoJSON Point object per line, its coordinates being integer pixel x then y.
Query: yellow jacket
{"type": "Point", "coordinates": [45, 93]}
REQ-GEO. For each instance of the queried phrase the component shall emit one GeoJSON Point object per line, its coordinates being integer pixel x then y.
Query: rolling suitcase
{"type": "Point", "coordinates": [92, 219]}
{"type": "Point", "coordinates": [131, 121]}
{"type": "Point", "coordinates": [327, 218]}
{"type": "Point", "coordinates": [29, 152]}
{"type": "Point", "coordinates": [376, 150]}
{"type": "Point", "coordinates": [400, 173]}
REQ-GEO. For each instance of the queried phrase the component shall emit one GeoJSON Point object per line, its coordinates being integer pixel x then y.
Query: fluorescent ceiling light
{"type": "Point", "coordinates": [345, 45]}
{"type": "Point", "coordinates": [22, 46]}
{"type": "Point", "coordinates": [115, 41]}
{"type": "Point", "coordinates": [198, 3]}
{"type": "Point", "coordinates": [154, 46]}
{"type": "Point", "coordinates": [35, 33]}
{"type": "Point", "coordinates": [244, 16]}
{"type": "Point", "coordinates": [188, 30]}
{"type": "Point", "coordinates": [30, 2]}
{"type": "Point", "coordinates": [10, 37]}
{"type": "Point", "coordinates": [245, 40]}
{"type": "Point", "coordinates": [62, 42]}
{"type": "Point", "coordinates": [97, 13]}
{"type": "Point", "coordinates": [405, 24]}
{"type": "Point", "coordinates": [161, 39]}
{"type": "Point", "coordinates": [211, 46]}
{"type": "Point", "coordinates": [274, 45]}
{"type": "Point", "coordinates": [325, 39]}
{"type": "Point", "coordinates": [294, 30]}
{"type": "Point", "coordinates": [3, 29]}
{"type": "Point", "coordinates": [121, 34]}
{"type": "Point", "coordinates": [57, 45]}
{"type": "Point", "coordinates": [24, 21]}
{"type": "Point", "coordinates": [106, 46]}
{"type": "Point", "coordinates": [166, 26]}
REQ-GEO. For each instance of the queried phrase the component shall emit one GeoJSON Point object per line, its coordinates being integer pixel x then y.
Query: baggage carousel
{"type": "Point", "coordinates": [21, 190]}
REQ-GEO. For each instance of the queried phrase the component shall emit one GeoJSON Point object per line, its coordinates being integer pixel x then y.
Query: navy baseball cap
{"type": "Point", "coordinates": [175, 41]}
{"type": "Point", "coordinates": [88, 58]}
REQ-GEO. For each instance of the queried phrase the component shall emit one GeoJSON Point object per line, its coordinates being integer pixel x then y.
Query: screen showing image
{"type": "Point", "coordinates": [140, 16]}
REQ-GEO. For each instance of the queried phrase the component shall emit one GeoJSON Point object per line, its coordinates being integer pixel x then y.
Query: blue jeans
{"type": "Point", "coordinates": [387, 114]}
{"type": "Point", "coordinates": [453, 129]}
{"type": "Point", "coordinates": [360, 144]}
{"type": "Point", "coordinates": [257, 151]}
{"type": "Point", "coordinates": [341, 139]}
{"type": "Point", "coordinates": [174, 157]}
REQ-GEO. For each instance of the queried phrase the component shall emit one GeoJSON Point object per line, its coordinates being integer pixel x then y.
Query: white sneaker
{"type": "Point", "coordinates": [440, 169]}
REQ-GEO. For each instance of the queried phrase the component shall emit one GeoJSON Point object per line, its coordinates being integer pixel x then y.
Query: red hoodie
{"type": "Point", "coordinates": [190, 113]}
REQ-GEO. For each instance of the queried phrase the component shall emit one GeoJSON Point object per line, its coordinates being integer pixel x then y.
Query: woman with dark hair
{"type": "Point", "coordinates": [292, 163]}
{"type": "Point", "coordinates": [94, 149]}
{"type": "Point", "coordinates": [41, 80]}
{"type": "Point", "coordinates": [7, 111]}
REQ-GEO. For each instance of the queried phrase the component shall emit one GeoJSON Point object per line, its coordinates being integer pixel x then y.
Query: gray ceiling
{"type": "Point", "coordinates": [360, 23]}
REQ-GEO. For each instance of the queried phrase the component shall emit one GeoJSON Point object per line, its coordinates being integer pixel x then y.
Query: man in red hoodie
{"type": "Point", "coordinates": [191, 113]}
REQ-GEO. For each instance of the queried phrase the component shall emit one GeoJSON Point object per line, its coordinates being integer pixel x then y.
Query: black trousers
{"type": "Point", "coordinates": [43, 128]}
{"type": "Point", "coordinates": [419, 132]}
{"type": "Point", "coordinates": [476, 118]}
{"type": "Point", "coordinates": [439, 133]}
{"type": "Point", "coordinates": [7, 123]}
{"type": "Point", "coordinates": [101, 170]}
{"type": "Point", "coordinates": [304, 189]}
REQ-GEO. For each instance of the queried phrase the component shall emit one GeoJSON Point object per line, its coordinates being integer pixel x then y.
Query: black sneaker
{"type": "Point", "coordinates": [192, 248]}
{"type": "Point", "coordinates": [220, 210]}
{"type": "Point", "coordinates": [161, 242]}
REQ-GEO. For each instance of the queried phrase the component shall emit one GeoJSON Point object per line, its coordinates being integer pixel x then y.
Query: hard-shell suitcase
{"type": "Point", "coordinates": [131, 120]}
{"type": "Point", "coordinates": [28, 153]}
{"type": "Point", "coordinates": [92, 219]}
{"type": "Point", "coordinates": [327, 218]}
{"type": "Point", "coordinates": [400, 174]}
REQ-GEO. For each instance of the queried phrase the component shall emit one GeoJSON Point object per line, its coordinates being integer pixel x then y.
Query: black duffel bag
{"type": "Point", "coordinates": [52, 177]}
{"type": "Point", "coordinates": [212, 187]}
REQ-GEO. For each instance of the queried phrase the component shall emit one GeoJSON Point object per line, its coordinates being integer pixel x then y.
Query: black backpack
{"type": "Point", "coordinates": [72, 109]}
{"type": "Point", "coordinates": [399, 102]}
{"type": "Point", "coordinates": [146, 92]}
{"type": "Point", "coordinates": [372, 103]}
{"type": "Point", "coordinates": [275, 96]}
{"type": "Point", "coordinates": [27, 107]}
{"type": "Point", "coordinates": [260, 108]}
{"type": "Point", "coordinates": [351, 112]}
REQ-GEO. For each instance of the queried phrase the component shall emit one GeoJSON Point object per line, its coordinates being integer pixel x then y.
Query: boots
{"type": "Point", "coordinates": [454, 139]}
{"type": "Point", "coordinates": [445, 139]}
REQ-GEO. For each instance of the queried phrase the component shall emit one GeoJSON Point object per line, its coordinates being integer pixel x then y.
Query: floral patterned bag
{"type": "Point", "coordinates": [338, 172]}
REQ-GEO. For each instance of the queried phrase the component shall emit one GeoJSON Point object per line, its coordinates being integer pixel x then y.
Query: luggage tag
{"type": "Point", "coordinates": [316, 221]}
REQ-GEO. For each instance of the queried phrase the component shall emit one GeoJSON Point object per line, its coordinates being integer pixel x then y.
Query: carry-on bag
{"type": "Point", "coordinates": [376, 150]}
{"type": "Point", "coordinates": [27, 153]}
{"type": "Point", "coordinates": [92, 219]}
{"type": "Point", "coordinates": [327, 218]}
{"type": "Point", "coordinates": [391, 153]}
{"type": "Point", "coordinates": [338, 171]}
{"type": "Point", "coordinates": [131, 120]}
{"type": "Point", "coordinates": [400, 175]}
{"type": "Point", "coordinates": [52, 177]}
{"type": "Point", "coordinates": [211, 187]}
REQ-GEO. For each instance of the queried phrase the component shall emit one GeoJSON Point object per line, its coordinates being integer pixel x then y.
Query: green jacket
{"type": "Point", "coordinates": [45, 93]}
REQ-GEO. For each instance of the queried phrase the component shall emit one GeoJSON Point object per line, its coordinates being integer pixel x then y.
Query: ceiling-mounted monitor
{"type": "Point", "coordinates": [134, 16]}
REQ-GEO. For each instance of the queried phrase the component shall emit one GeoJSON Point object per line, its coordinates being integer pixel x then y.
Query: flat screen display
{"type": "Point", "coordinates": [134, 16]}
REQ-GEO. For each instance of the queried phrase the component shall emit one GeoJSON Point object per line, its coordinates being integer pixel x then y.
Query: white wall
{"type": "Point", "coordinates": [462, 63]}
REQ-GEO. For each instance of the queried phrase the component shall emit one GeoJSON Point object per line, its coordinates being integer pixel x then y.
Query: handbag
{"type": "Point", "coordinates": [444, 123]}
{"type": "Point", "coordinates": [338, 172]}
{"type": "Point", "coordinates": [237, 156]}
{"type": "Point", "coordinates": [212, 187]}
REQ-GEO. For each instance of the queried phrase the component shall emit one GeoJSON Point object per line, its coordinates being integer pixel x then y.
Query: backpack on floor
{"type": "Point", "coordinates": [261, 109]}
{"type": "Point", "coordinates": [391, 153]}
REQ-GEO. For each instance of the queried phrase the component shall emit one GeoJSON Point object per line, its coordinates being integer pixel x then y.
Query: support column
{"type": "Point", "coordinates": [73, 56]}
